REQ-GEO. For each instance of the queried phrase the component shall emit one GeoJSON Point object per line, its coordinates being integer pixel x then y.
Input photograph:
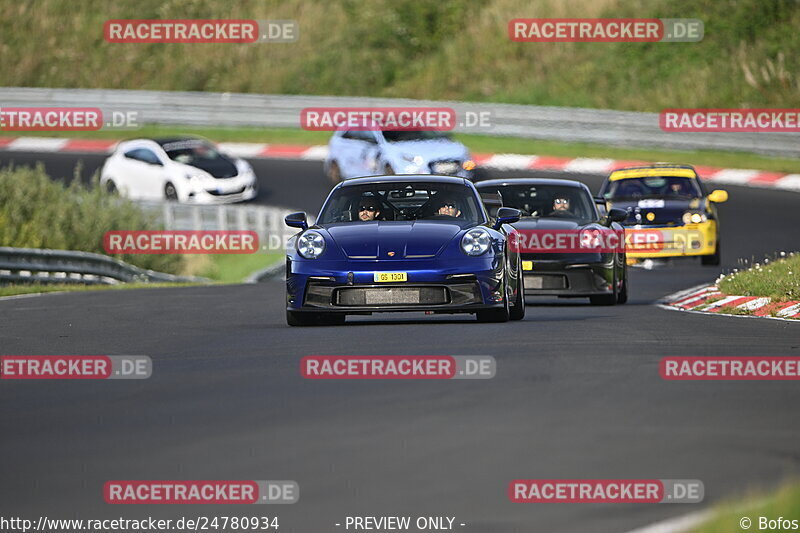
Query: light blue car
{"type": "Point", "coordinates": [354, 154]}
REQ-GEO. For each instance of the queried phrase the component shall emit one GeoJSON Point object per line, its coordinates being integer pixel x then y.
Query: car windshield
{"type": "Point", "coordinates": [402, 136]}
{"type": "Point", "coordinates": [547, 201]}
{"type": "Point", "coordinates": [401, 201]}
{"type": "Point", "coordinates": [191, 151]}
{"type": "Point", "coordinates": [653, 187]}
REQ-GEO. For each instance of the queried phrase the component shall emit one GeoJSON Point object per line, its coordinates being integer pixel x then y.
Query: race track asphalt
{"type": "Point", "coordinates": [577, 395]}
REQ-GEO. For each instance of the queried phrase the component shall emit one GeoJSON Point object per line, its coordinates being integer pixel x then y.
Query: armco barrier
{"type": "Point", "coordinates": [32, 265]}
{"type": "Point", "coordinates": [266, 221]}
{"type": "Point", "coordinates": [620, 128]}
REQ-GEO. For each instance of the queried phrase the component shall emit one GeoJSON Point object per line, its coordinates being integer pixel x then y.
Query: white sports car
{"type": "Point", "coordinates": [353, 153]}
{"type": "Point", "coordinates": [183, 169]}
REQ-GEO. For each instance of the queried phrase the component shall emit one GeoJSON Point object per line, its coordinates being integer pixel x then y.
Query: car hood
{"type": "Point", "coordinates": [220, 168]}
{"type": "Point", "coordinates": [393, 240]}
{"type": "Point", "coordinates": [436, 150]}
{"type": "Point", "coordinates": [666, 211]}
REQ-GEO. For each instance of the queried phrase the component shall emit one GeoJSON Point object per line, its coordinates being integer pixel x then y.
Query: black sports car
{"type": "Point", "coordinates": [556, 207]}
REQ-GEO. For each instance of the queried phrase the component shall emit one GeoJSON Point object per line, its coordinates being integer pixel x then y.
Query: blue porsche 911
{"type": "Point", "coordinates": [403, 243]}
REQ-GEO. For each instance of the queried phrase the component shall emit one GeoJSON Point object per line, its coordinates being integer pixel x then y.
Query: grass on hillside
{"type": "Point", "coordinates": [443, 49]}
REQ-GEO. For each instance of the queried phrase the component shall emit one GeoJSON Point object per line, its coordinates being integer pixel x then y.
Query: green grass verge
{"type": "Point", "coordinates": [34, 288]}
{"type": "Point", "coordinates": [232, 268]}
{"type": "Point", "coordinates": [785, 502]}
{"type": "Point", "coordinates": [777, 279]}
{"type": "Point", "coordinates": [476, 143]}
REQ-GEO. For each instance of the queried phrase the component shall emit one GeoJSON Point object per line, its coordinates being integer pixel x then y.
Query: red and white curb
{"type": "Point", "coordinates": [709, 299]}
{"type": "Point", "coordinates": [576, 165]}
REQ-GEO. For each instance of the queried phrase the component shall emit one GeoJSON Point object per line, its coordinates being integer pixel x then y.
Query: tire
{"type": "Point", "coordinates": [518, 311]}
{"type": "Point", "coordinates": [111, 188]}
{"type": "Point", "coordinates": [607, 299]}
{"type": "Point", "coordinates": [713, 259]}
{"type": "Point", "coordinates": [388, 170]}
{"type": "Point", "coordinates": [299, 319]}
{"type": "Point", "coordinates": [495, 315]}
{"type": "Point", "coordinates": [334, 172]}
{"type": "Point", "coordinates": [170, 193]}
{"type": "Point", "coordinates": [622, 297]}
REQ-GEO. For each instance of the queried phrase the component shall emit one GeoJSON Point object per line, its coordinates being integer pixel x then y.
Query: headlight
{"type": "Point", "coordinates": [694, 218]}
{"type": "Point", "coordinates": [469, 164]}
{"type": "Point", "coordinates": [195, 180]}
{"type": "Point", "coordinates": [310, 245]}
{"type": "Point", "coordinates": [416, 159]}
{"type": "Point", "coordinates": [476, 242]}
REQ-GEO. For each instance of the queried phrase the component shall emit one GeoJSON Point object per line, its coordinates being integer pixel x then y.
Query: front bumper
{"type": "Point", "coordinates": [349, 287]}
{"type": "Point", "coordinates": [673, 241]}
{"type": "Point", "coordinates": [208, 197]}
{"type": "Point", "coordinates": [559, 278]}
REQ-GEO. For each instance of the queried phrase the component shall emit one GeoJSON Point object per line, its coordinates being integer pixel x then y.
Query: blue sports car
{"type": "Point", "coordinates": [403, 243]}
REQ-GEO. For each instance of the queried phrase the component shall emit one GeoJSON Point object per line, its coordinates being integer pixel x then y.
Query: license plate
{"type": "Point", "coordinates": [534, 282]}
{"type": "Point", "coordinates": [384, 277]}
{"type": "Point", "coordinates": [527, 265]}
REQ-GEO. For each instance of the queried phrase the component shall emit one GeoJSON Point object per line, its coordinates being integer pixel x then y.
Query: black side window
{"type": "Point", "coordinates": [367, 136]}
{"type": "Point", "coordinates": [144, 155]}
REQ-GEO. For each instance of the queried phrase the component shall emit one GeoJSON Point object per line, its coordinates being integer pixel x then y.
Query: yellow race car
{"type": "Point", "coordinates": [670, 214]}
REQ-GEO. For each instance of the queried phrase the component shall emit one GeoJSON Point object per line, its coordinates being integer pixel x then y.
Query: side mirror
{"type": "Point", "coordinates": [297, 220]}
{"type": "Point", "coordinates": [507, 215]}
{"type": "Point", "coordinates": [616, 215]}
{"type": "Point", "coordinates": [718, 196]}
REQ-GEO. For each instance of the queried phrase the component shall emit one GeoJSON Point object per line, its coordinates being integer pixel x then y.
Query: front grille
{"type": "Point", "coordinates": [382, 296]}
{"type": "Point", "coordinates": [216, 192]}
{"type": "Point", "coordinates": [545, 281]}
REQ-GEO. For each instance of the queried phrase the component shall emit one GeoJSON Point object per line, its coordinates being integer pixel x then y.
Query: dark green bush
{"type": "Point", "coordinates": [37, 212]}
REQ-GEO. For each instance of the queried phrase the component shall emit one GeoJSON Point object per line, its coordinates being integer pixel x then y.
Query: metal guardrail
{"type": "Point", "coordinates": [65, 266]}
{"type": "Point", "coordinates": [621, 128]}
{"type": "Point", "coordinates": [266, 221]}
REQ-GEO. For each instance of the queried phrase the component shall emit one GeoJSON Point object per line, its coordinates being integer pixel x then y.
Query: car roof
{"type": "Point", "coordinates": [404, 178]}
{"type": "Point", "coordinates": [658, 169]}
{"type": "Point", "coordinates": [178, 138]}
{"type": "Point", "coordinates": [160, 141]}
{"type": "Point", "coordinates": [530, 181]}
